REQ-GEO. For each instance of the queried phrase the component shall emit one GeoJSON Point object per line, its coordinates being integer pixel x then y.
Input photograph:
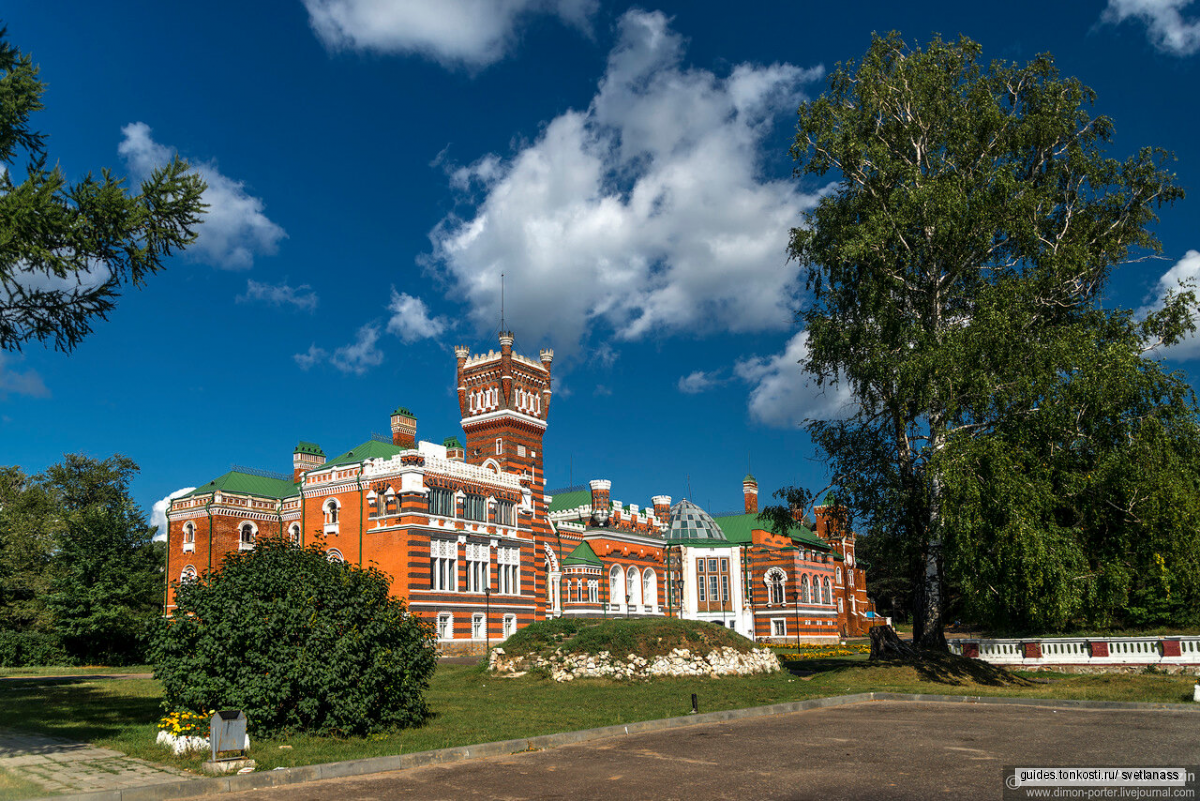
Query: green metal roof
{"type": "Point", "coordinates": [245, 484]}
{"type": "Point", "coordinates": [749, 478]}
{"type": "Point", "coordinates": [451, 442]}
{"type": "Point", "coordinates": [400, 410]}
{"type": "Point", "coordinates": [739, 528]}
{"type": "Point", "coordinates": [371, 449]}
{"type": "Point", "coordinates": [582, 555]}
{"type": "Point", "coordinates": [570, 500]}
{"type": "Point", "coordinates": [309, 447]}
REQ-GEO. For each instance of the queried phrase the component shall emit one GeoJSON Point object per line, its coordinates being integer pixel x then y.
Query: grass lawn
{"type": "Point", "coordinates": [73, 671]}
{"type": "Point", "coordinates": [472, 707]}
{"type": "Point", "coordinates": [13, 788]}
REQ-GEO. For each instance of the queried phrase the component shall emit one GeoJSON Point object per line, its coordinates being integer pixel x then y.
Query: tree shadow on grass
{"type": "Point", "coordinates": [947, 668]}
{"type": "Point", "coordinates": [79, 710]}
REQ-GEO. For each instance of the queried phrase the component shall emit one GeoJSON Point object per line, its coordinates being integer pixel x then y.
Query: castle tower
{"type": "Point", "coordinates": [750, 492]}
{"type": "Point", "coordinates": [504, 401]}
{"type": "Point", "coordinates": [662, 510]}
{"type": "Point", "coordinates": [306, 456]}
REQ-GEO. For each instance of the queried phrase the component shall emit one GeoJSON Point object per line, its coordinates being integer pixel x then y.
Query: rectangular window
{"type": "Point", "coordinates": [700, 565]}
{"type": "Point", "coordinates": [505, 513]}
{"type": "Point", "coordinates": [700, 589]}
{"type": "Point", "coordinates": [445, 627]}
{"type": "Point", "coordinates": [443, 565]}
{"type": "Point", "coordinates": [477, 627]}
{"type": "Point", "coordinates": [520, 450]}
{"type": "Point", "coordinates": [724, 565]}
{"type": "Point", "coordinates": [510, 625]}
{"type": "Point", "coordinates": [509, 560]}
{"type": "Point", "coordinates": [441, 502]}
{"type": "Point", "coordinates": [712, 565]}
{"type": "Point", "coordinates": [499, 447]}
{"type": "Point", "coordinates": [593, 592]}
{"type": "Point", "coordinates": [724, 588]}
{"type": "Point", "coordinates": [712, 587]}
{"type": "Point", "coordinates": [478, 577]}
{"type": "Point", "coordinates": [778, 628]}
{"type": "Point", "coordinates": [474, 508]}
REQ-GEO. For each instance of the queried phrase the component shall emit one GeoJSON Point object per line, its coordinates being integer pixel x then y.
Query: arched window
{"type": "Point", "coordinates": [616, 586]}
{"type": "Point", "coordinates": [826, 596]}
{"type": "Point", "coordinates": [839, 575]}
{"type": "Point", "coordinates": [189, 532]}
{"type": "Point", "coordinates": [334, 555]}
{"type": "Point", "coordinates": [649, 587]}
{"type": "Point", "coordinates": [775, 579]}
{"type": "Point", "coordinates": [634, 580]}
{"type": "Point", "coordinates": [246, 534]}
{"type": "Point", "coordinates": [331, 511]}
{"type": "Point", "coordinates": [294, 533]}
{"type": "Point", "coordinates": [804, 589]}
{"type": "Point", "coordinates": [188, 575]}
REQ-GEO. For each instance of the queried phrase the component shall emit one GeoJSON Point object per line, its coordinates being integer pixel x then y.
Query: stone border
{"type": "Point", "coordinates": [362, 767]}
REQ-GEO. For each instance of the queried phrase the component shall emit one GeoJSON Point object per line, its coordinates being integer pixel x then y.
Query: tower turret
{"type": "Point", "coordinates": [404, 428]}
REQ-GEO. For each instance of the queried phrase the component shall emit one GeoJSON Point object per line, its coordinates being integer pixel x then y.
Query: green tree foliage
{"type": "Point", "coordinates": [67, 249]}
{"type": "Point", "coordinates": [298, 642]}
{"type": "Point", "coordinates": [79, 576]}
{"type": "Point", "coordinates": [956, 271]}
{"type": "Point", "coordinates": [1087, 512]}
{"type": "Point", "coordinates": [26, 548]}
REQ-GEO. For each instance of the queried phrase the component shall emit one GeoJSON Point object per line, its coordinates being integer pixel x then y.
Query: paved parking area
{"type": "Point", "coordinates": [879, 750]}
{"type": "Point", "coordinates": [62, 766]}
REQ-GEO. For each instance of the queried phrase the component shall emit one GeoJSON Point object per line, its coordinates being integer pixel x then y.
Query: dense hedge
{"type": "Point", "coordinates": [297, 642]}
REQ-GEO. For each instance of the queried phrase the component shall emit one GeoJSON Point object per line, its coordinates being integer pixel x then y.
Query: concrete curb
{"type": "Point", "coordinates": [189, 788]}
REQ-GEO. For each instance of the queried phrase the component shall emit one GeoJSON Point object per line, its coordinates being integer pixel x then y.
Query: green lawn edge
{"type": "Point", "coordinates": [473, 707]}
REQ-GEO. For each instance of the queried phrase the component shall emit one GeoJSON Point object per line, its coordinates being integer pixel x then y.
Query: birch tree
{"type": "Point", "coordinates": [956, 265]}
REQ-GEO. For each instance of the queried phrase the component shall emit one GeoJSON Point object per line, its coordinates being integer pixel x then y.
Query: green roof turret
{"type": "Point", "coordinates": [309, 447]}
{"type": "Point", "coordinates": [403, 412]}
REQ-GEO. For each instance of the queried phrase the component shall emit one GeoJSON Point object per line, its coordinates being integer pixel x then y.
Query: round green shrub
{"type": "Point", "coordinates": [297, 642]}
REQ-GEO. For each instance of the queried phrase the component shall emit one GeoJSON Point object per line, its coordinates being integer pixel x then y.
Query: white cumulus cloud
{"type": "Point", "coordinates": [469, 32]}
{"type": "Point", "coordinates": [645, 213]}
{"type": "Point", "coordinates": [302, 297]}
{"type": "Point", "coordinates": [359, 356]}
{"type": "Point", "coordinates": [699, 381]}
{"type": "Point", "coordinates": [158, 517]}
{"type": "Point", "coordinates": [1166, 27]}
{"type": "Point", "coordinates": [410, 319]}
{"type": "Point", "coordinates": [783, 394]}
{"type": "Point", "coordinates": [20, 383]}
{"type": "Point", "coordinates": [234, 228]}
{"type": "Point", "coordinates": [1185, 274]}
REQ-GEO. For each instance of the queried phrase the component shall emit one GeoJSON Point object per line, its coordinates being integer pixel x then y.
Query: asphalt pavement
{"type": "Point", "coordinates": [876, 750]}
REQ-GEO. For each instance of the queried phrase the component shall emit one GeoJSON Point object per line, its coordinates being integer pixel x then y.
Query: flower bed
{"type": "Point", "coordinates": [184, 731]}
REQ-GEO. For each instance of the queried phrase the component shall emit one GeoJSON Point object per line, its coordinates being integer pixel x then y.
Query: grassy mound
{"type": "Point", "coordinates": [646, 638]}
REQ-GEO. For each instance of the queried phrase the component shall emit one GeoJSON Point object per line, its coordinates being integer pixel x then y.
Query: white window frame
{"type": "Point", "coordinates": [594, 591]}
{"type": "Point", "coordinates": [334, 555]}
{"type": "Point", "coordinates": [508, 561]}
{"type": "Point", "coordinates": [479, 567]}
{"type": "Point", "coordinates": [243, 543]}
{"type": "Point", "coordinates": [478, 624]}
{"type": "Point", "coordinates": [510, 625]}
{"type": "Point", "coordinates": [332, 510]}
{"type": "Point", "coordinates": [443, 565]}
{"type": "Point", "coordinates": [294, 532]}
{"type": "Point", "coordinates": [189, 537]}
{"type": "Point", "coordinates": [188, 574]}
{"type": "Point", "coordinates": [779, 627]}
{"type": "Point", "coordinates": [445, 626]}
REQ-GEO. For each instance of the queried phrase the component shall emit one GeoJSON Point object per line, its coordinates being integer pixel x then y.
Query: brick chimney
{"type": "Point", "coordinates": [601, 506]}
{"type": "Point", "coordinates": [404, 428]}
{"type": "Point", "coordinates": [750, 493]}
{"type": "Point", "coordinates": [662, 510]}
{"type": "Point", "coordinates": [306, 456]}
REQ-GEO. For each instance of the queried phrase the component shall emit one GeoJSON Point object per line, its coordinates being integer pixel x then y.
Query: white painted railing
{"type": "Point", "coordinates": [1183, 650]}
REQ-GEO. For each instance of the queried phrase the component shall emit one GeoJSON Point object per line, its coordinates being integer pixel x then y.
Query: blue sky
{"type": "Point", "coordinates": [374, 167]}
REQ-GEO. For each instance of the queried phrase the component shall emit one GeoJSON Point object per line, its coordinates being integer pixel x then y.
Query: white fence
{"type": "Point", "coordinates": [1083, 650]}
